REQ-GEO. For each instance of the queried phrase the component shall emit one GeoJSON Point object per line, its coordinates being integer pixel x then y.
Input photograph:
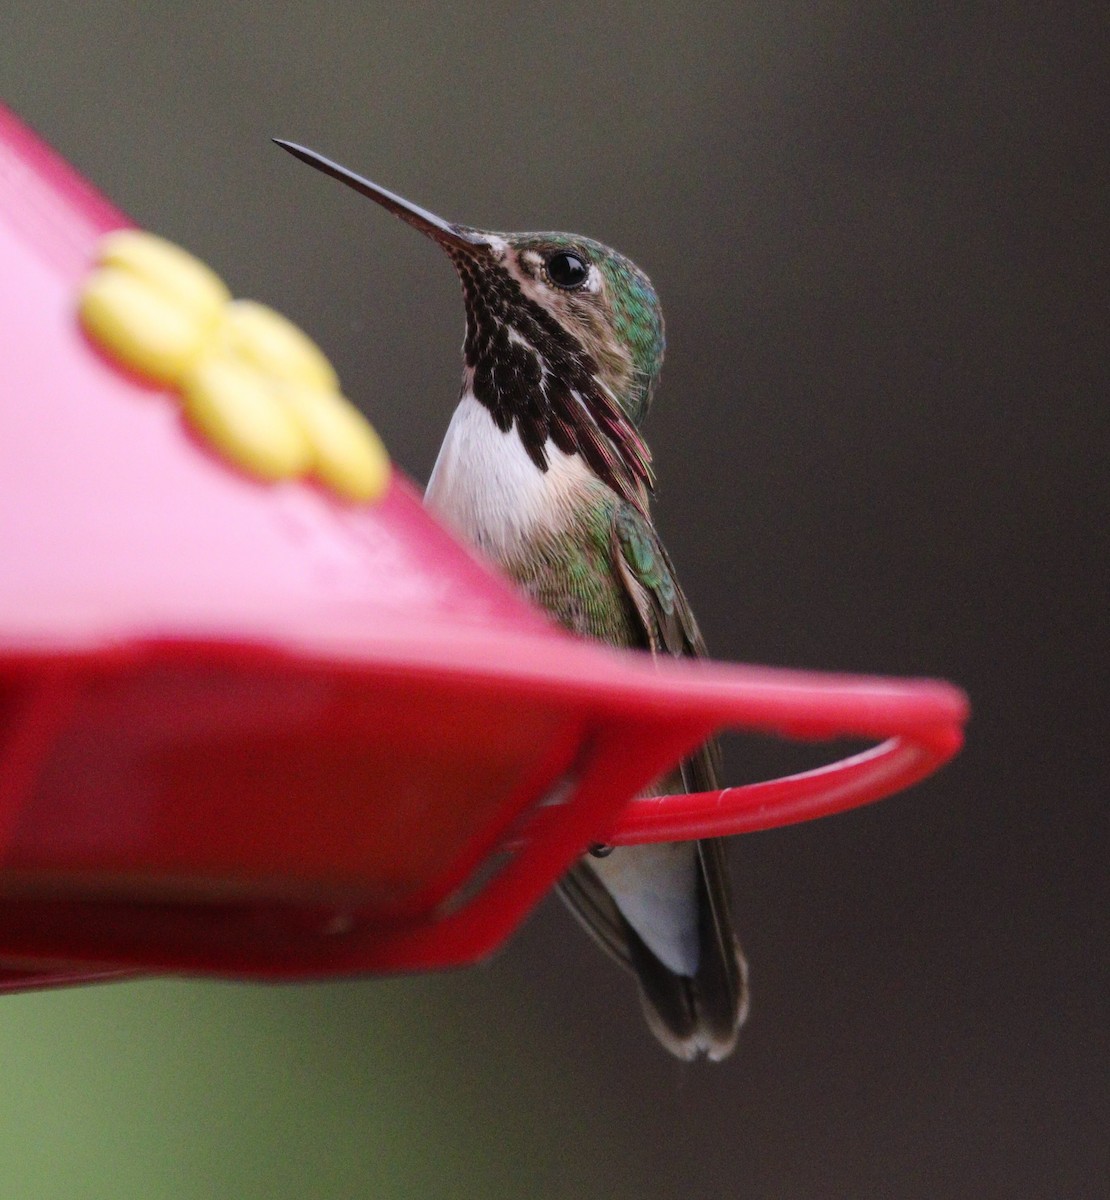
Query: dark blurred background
{"type": "Point", "coordinates": [878, 233]}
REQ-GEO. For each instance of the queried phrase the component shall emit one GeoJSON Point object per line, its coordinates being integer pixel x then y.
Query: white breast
{"type": "Point", "coordinates": [487, 488]}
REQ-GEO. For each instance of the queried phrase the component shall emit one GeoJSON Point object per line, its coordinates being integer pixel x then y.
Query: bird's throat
{"type": "Point", "coordinates": [533, 376]}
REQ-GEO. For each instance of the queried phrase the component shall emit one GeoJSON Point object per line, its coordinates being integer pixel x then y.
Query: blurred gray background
{"type": "Point", "coordinates": [878, 234]}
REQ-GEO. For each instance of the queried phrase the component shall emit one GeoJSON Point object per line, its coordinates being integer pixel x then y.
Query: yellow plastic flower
{"type": "Point", "coordinates": [253, 384]}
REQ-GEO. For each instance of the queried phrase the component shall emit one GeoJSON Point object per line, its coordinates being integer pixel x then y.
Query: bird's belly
{"type": "Point", "coordinates": [550, 531]}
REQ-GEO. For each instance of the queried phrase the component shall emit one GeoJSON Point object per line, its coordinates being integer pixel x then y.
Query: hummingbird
{"type": "Point", "coordinates": [545, 471]}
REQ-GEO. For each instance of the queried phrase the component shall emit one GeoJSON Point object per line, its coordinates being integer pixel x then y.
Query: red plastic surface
{"type": "Point", "coordinates": [250, 729]}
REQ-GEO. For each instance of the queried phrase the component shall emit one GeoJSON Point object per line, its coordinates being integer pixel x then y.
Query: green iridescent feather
{"type": "Point", "coordinates": [638, 323]}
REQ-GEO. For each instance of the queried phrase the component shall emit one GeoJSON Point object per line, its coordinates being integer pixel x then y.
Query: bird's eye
{"type": "Point", "coordinates": [567, 270]}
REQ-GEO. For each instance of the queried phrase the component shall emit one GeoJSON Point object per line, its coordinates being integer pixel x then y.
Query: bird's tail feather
{"type": "Point", "coordinates": [691, 1015]}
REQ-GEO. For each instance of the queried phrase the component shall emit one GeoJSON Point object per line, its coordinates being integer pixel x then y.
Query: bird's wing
{"type": "Point", "coordinates": [667, 620]}
{"type": "Point", "coordinates": [690, 1014]}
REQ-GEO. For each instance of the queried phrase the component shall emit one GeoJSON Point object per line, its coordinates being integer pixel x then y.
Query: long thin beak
{"type": "Point", "coordinates": [458, 236]}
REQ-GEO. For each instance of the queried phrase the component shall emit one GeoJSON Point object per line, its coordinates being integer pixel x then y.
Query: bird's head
{"type": "Point", "coordinates": [564, 336]}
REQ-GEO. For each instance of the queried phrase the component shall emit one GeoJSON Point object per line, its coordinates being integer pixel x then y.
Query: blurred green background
{"type": "Point", "coordinates": [879, 235]}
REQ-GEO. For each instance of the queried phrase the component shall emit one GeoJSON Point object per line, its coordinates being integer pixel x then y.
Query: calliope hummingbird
{"type": "Point", "coordinates": [545, 471]}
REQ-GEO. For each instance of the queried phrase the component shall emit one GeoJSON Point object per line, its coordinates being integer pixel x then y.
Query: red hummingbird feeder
{"type": "Point", "coordinates": [253, 729]}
